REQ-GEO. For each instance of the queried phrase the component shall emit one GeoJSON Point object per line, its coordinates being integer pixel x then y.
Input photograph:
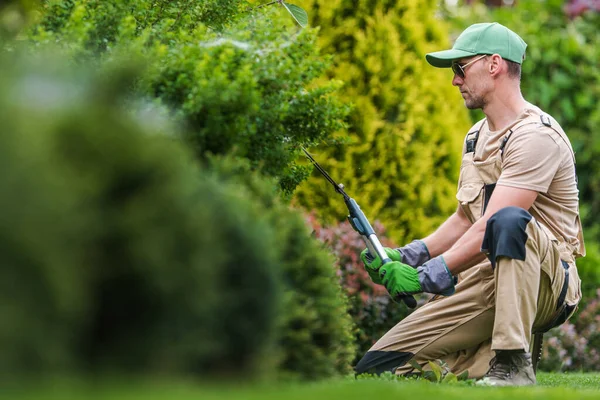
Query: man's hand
{"type": "Point", "coordinates": [414, 254]}
{"type": "Point", "coordinates": [432, 277]}
{"type": "Point", "coordinates": [373, 262]}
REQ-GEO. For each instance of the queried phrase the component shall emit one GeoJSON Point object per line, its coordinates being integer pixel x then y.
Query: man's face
{"type": "Point", "coordinates": [471, 79]}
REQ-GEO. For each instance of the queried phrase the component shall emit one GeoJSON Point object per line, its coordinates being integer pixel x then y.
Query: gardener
{"type": "Point", "coordinates": [503, 265]}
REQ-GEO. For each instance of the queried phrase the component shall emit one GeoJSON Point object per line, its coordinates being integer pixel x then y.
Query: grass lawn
{"type": "Point", "coordinates": [550, 387]}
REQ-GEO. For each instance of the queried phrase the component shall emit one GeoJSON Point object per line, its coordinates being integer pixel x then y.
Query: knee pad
{"type": "Point", "coordinates": [505, 234]}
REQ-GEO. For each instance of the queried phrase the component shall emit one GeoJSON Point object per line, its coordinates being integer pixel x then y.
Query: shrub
{"type": "Point", "coordinates": [402, 160]}
{"type": "Point", "coordinates": [249, 102]}
{"type": "Point", "coordinates": [243, 83]}
{"type": "Point", "coordinates": [118, 254]}
{"type": "Point", "coordinates": [315, 329]}
{"type": "Point", "coordinates": [371, 308]}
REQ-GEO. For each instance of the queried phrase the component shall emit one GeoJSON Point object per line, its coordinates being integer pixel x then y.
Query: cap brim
{"type": "Point", "coordinates": [444, 58]}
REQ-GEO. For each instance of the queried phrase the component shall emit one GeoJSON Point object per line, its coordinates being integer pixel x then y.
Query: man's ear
{"type": "Point", "coordinates": [495, 65]}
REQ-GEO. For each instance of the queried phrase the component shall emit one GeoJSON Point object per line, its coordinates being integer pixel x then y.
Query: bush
{"type": "Point", "coordinates": [243, 83]}
{"type": "Point", "coordinates": [371, 308]}
{"type": "Point", "coordinates": [315, 328]}
{"type": "Point", "coordinates": [127, 257]}
{"type": "Point", "coordinates": [118, 254]}
{"type": "Point", "coordinates": [402, 160]}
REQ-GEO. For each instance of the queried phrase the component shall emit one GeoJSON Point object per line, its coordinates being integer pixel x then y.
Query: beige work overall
{"type": "Point", "coordinates": [492, 308]}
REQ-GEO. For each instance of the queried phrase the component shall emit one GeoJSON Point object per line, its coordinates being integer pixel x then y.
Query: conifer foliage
{"type": "Point", "coordinates": [402, 159]}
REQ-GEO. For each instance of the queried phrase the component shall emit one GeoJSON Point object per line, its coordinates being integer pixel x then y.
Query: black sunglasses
{"type": "Point", "coordinates": [459, 69]}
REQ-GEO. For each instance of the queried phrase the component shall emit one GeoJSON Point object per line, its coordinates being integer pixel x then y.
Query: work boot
{"type": "Point", "coordinates": [509, 368]}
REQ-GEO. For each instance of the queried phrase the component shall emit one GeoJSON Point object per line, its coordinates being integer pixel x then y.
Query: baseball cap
{"type": "Point", "coordinates": [483, 38]}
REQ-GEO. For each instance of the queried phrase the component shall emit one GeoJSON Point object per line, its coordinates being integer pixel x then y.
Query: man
{"type": "Point", "coordinates": [503, 265]}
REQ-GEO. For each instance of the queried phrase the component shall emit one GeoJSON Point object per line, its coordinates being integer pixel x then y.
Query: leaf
{"type": "Point", "coordinates": [298, 13]}
{"type": "Point", "coordinates": [430, 376]}
{"type": "Point", "coordinates": [415, 365]}
{"type": "Point", "coordinates": [437, 370]}
{"type": "Point", "coordinates": [463, 376]}
{"type": "Point", "coordinates": [450, 378]}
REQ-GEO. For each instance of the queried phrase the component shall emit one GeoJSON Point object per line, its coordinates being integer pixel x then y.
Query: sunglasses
{"type": "Point", "coordinates": [459, 69]}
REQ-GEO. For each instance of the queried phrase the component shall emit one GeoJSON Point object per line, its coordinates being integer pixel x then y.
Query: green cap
{"type": "Point", "coordinates": [485, 38]}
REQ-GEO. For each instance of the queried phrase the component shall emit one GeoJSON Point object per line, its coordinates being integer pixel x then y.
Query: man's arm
{"type": "Point", "coordinates": [448, 233]}
{"type": "Point", "coordinates": [466, 252]}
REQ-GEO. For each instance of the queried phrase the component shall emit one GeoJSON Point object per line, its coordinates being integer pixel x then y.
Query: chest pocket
{"type": "Point", "coordinates": [478, 179]}
{"type": "Point", "coordinates": [471, 187]}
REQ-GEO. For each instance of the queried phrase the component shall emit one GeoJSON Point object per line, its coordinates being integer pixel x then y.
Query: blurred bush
{"type": "Point", "coordinates": [118, 253]}
{"type": "Point", "coordinates": [16, 16]}
{"type": "Point", "coordinates": [314, 326]}
{"type": "Point", "coordinates": [121, 255]}
{"type": "Point", "coordinates": [372, 309]}
{"type": "Point", "coordinates": [402, 159]}
{"type": "Point", "coordinates": [242, 82]}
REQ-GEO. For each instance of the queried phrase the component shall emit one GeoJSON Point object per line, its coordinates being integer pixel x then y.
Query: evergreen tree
{"type": "Point", "coordinates": [402, 158]}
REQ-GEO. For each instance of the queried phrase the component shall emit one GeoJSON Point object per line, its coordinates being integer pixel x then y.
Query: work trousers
{"type": "Point", "coordinates": [496, 306]}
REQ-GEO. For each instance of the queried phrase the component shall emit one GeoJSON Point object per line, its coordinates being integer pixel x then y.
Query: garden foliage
{"type": "Point", "coordinates": [372, 309]}
{"type": "Point", "coordinates": [241, 82]}
{"type": "Point", "coordinates": [314, 326]}
{"type": "Point", "coordinates": [402, 158]}
{"type": "Point", "coordinates": [120, 254]}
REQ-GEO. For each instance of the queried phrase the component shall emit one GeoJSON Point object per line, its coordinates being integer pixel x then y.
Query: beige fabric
{"type": "Point", "coordinates": [497, 309]}
{"type": "Point", "coordinates": [556, 210]}
{"type": "Point", "coordinates": [488, 312]}
{"type": "Point", "coordinates": [518, 314]}
{"type": "Point", "coordinates": [540, 158]}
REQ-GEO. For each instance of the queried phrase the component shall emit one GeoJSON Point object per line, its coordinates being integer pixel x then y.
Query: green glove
{"type": "Point", "coordinates": [373, 263]}
{"type": "Point", "coordinates": [400, 279]}
{"type": "Point", "coordinates": [432, 277]}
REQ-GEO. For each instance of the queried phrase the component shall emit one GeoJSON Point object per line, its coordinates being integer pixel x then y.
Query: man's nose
{"type": "Point", "coordinates": [457, 80]}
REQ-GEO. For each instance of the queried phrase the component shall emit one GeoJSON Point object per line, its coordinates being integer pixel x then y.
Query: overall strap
{"type": "Point", "coordinates": [471, 140]}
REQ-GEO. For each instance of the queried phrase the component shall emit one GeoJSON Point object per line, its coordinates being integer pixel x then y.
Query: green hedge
{"type": "Point", "coordinates": [315, 328]}
{"type": "Point", "coordinates": [121, 255]}
{"type": "Point", "coordinates": [118, 253]}
{"type": "Point", "coordinates": [242, 83]}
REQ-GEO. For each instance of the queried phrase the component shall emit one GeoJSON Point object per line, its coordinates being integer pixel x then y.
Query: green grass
{"type": "Point", "coordinates": [550, 387]}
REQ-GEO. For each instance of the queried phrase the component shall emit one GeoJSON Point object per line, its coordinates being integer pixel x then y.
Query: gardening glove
{"type": "Point", "coordinates": [373, 262]}
{"type": "Point", "coordinates": [372, 266]}
{"type": "Point", "coordinates": [432, 277]}
{"type": "Point", "coordinates": [414, 254]}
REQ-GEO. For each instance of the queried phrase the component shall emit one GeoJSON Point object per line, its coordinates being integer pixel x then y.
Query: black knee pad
{"type": "Point", "coordinates": [505, 234]}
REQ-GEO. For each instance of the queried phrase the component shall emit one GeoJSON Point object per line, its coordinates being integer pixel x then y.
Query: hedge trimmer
{"type": "Point", "coordinates": [360, 224]}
